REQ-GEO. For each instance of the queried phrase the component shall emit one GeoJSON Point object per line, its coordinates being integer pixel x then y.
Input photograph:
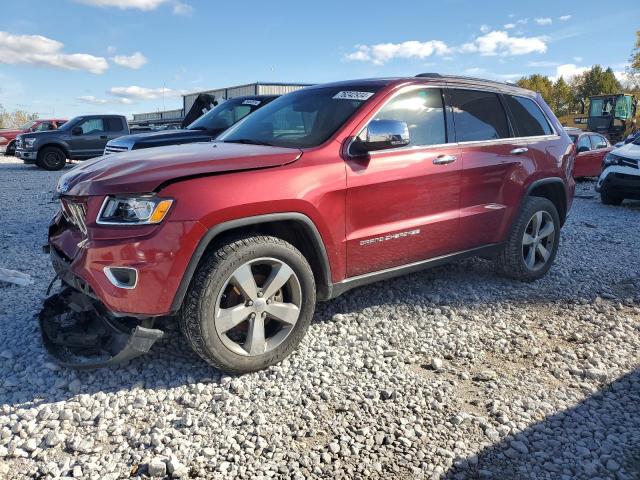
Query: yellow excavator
{"type": "Point", "coordinates": [614, 116]}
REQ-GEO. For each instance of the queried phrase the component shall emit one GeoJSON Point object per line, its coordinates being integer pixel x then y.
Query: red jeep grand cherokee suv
{"type": "Point", "coordinates": [320, 191]}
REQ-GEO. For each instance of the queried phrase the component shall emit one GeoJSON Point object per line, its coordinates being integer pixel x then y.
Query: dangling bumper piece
{"type": "Point", "coordinates": [78, 333]}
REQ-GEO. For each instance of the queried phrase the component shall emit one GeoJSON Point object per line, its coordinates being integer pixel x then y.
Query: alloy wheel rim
{"type": "Point", "coordinates": [538, 240]}
{"type": "Point", "coordinates": [258, 307]}
{"type": "Point", "coordinates": [51, 158]}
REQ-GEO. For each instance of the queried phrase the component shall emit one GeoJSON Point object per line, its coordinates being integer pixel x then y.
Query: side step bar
{"type": "Point", "coordinates": [77, 335]}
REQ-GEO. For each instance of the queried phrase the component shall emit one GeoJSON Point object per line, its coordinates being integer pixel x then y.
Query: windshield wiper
{"type": "Point", "coordinates": [249, 141]}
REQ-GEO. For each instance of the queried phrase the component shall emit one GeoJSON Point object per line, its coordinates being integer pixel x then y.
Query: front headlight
{"type": "Point", "coordinates": [610, 159]}
{"type": "Point", "coordinates": [133, 210]}
{"type": "Point", "coordinates": [28, 142]}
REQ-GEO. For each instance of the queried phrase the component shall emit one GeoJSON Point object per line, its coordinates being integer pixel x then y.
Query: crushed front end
{"type": "Point", "coordinates": [115, 283]}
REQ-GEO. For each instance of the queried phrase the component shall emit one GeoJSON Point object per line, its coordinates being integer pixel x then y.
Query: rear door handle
{"type": "Point", "coordinates": [444, 159]}
{"type": "Point", "coordinates": [519, 151]}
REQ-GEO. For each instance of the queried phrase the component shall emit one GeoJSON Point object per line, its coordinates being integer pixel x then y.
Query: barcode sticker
{"type": "Point", "coordinates": [350, 95]}
{"type": "Point", "coordinates": [255, 103]}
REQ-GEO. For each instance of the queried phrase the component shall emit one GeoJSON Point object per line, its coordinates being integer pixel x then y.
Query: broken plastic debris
{"type": "Point", "coordinates": [13, 276]}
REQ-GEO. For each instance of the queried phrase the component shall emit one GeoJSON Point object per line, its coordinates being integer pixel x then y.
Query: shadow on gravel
{"type": "Point", "coordinates": [598, 438]}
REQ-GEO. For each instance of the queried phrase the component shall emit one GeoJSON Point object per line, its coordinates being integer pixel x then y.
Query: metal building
{"type": "Point", "coordinates": [168, 117]}
{"type": "Point", "coordinates": [258, 88]}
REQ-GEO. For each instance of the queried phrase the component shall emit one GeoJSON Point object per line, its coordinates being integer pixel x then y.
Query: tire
{"type": "Point", "coordinates": [51, 158]}
{"type": "Point", "coordinates": [607, 199]}
{"type": "Point", "coordinates": [215, 290]}
{"type": "Point", "coordinates": [11, 149]}
{"type": "Point", "coordinates": [515, 260]}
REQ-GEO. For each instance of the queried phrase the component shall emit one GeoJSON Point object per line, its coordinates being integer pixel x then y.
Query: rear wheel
{"type": "Point", "coordinates": [533, 242]}
{"type": "Point", "coordinates": [51, 158]}
{"type": "Point", "coordinates": [607, 199]}
{"type": "Point", "coordinates": [11, 149]}
{"type": "Point", "coordinates": [250, 304]}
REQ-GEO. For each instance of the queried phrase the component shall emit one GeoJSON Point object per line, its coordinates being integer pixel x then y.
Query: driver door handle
{"type": "Point", "coordinates": [519, 151]}
{"type": "Point", "coordinates": [444, 159]}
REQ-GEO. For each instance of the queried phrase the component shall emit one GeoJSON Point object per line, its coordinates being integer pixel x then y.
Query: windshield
{"type": "Point", "coordinates": [27, 126]}
{"type": "Point", "coordinates": [302, 119]}
{"type": "Point", "coordinates": [601, 107]}
{"type": "Point", "coordinates": [70, 123]}
{"type": "Point", "coordinates": [226, 114]}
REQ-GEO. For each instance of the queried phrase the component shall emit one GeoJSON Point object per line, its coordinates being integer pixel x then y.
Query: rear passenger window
{"type": "Point", "coordinates": [598, 141]}
{"type": "Point", "coordinates": [113, 124]}
{"type": "Point", "coordinates": [422, 111]}
{"type": "Point", "coordinates": [478, 116]}
{"type": "Point", "coordinates": [530, 121]}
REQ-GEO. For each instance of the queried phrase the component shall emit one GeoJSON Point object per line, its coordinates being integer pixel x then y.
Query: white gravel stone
{"type": "Point", "coordinates": [549, 368]}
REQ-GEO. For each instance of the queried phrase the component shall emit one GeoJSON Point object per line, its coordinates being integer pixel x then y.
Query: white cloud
{"type": "Point", "coordinates": [103, 101]}
{"type": "Point", "coordinates": [383, 52]}
{"type": "Point", "coordinates": [523, 21]}
{"type": "Point", "coordinates": [564, 18]}
{"type": "Point", "coordinates": [500, 43]}
{"type": "Point", "coordinates": [124, 4]}
{"type": "Point", "coordinates": [179, 8]}
{"type": "Point", "coordinates": [543, 63]}
{"type": "Point", "coordinates": [485, 28]}
{"type": "Point", "coordinates": [111, 49]}
{"type": "Point", "coordinates": [141, 93]}
{"type": "Point", "coordinates": [509, 26]}
{"type": "Point", "coordinates": [577, 59]}
{"type": "Point", "coordinates": [568, 71]}
{"type": "Point", "coordinates": [134, 61]}
{"type": "Point", "coordinates": [492, 43]}
{"type": "Point", "coordinates": [39, 50]}
{"type": "Point", "coordinates": [543, 21]}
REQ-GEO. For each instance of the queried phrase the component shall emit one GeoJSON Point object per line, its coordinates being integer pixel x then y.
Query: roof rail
{"type": "Point", "coordinates": [462, 77]}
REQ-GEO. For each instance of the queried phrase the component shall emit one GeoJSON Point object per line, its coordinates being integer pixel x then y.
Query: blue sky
{"type": "Point", "coordinates": [71, 57]}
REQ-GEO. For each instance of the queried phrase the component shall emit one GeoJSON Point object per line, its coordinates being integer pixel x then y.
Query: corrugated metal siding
{"type": "Point", "coordinates": [266, 89]}
{"type": "Point", "coordinates": [166, 115]}
{"type": "Point", "coordinates": [241, 90]}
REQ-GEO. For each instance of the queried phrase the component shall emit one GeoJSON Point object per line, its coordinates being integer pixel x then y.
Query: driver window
{"type": "Point", "coordinates": [93, 125]}
{"type": "Point", "coordinates": [584, 145]}
{"type": "Point", "coordinates": [598, 142]}
{"type": "Point", "coordinates": [422, 111]}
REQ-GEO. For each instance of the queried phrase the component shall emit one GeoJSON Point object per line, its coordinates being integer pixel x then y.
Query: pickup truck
{"type": "Point", "coordinates": [8, 135]}
{"type": "Point", "coordinates": [80, 138]}
{"type": "Point", "coordinates": [204, 129]}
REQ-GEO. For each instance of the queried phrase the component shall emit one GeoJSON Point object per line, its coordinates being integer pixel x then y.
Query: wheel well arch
{"type": "Point", "coordinates": [55, 145]}
{"type": "Point", "coordinates": [295, 228]}
{"type": "Point", "coordinates": [552, 189]}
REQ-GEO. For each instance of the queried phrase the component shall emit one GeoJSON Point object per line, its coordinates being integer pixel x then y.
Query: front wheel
{"type": "Point", "coordinates": [533, 241]}
{"type": "Point", "coordinates": [249, 304]}
{"type": "Point", "coordinates": [51, 158]}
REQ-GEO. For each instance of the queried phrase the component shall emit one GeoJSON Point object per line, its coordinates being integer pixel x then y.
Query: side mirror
{"type": "Point", "coordinates": [76, 131]}
{"type": "Point", "coordinates": [382, 135]}
{"type": "Point", "coordinates": [583, 149]}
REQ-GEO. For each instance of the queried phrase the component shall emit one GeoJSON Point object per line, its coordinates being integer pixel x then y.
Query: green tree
{"type": "Point", "coordinates": [16, 118]}
{"type": "Point", "coordinates": [562, 98]}
{"type": "Point", "coordinates": [635, 56]}
{"type": "Point", "coordinates": [597, 81]}
{"type": "Point", "coordinates": [538, 83]}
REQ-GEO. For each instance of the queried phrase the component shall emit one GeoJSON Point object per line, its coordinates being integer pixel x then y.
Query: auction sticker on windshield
{"type": "Point", "coordinates": [350, 95]}
{"type": "Point", "coordinates": [255, 103]}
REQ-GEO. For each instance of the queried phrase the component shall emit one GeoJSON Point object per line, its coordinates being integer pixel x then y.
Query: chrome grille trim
{"type": "Point", "coordinates": [75, 213]}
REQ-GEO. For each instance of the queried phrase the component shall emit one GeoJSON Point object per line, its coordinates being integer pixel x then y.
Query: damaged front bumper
{"type": "Point", "coordinates": [78, 332]}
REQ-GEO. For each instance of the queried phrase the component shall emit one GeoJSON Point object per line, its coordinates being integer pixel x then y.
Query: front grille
{"type": "Point", "coordinates": [75, 213]}
{"type": "Point", "coordinates": [628, 162]}
{"type": "Point", "coordinates": [109, 149]}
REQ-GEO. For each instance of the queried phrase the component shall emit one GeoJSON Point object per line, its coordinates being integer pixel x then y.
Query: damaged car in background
{"type": "Point", "coordinates": [320, 191]}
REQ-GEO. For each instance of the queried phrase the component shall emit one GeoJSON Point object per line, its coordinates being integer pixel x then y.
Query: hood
{"type": "Point", "coordinates": [10, 131]}
{"type": "Point", "coordinates": [44, 133]}
{"type": "Point", "coordinates": [161, 138]}
{"type": "Point", "coordinates": [143, 171]}
{"type": "Point", "coordinates": [630, 150]}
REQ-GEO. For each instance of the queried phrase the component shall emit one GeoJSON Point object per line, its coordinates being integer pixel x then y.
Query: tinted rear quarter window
{"type": "Point", "coordinates": [478, 116]}
{"type": "Point", "coordinates": [529, 119]}
{"type": "Point", "coordinates": [113, 124]}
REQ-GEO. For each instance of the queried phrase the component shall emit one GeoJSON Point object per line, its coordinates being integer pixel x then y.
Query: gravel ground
{"type": "Point", "coordinates": [450, 373]}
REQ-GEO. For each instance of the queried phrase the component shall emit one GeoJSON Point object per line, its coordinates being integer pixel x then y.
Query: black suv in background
{"type": "Point", "coordinates": [204, 129]}
{"type": "Point", "coordinates": [80, 138]}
